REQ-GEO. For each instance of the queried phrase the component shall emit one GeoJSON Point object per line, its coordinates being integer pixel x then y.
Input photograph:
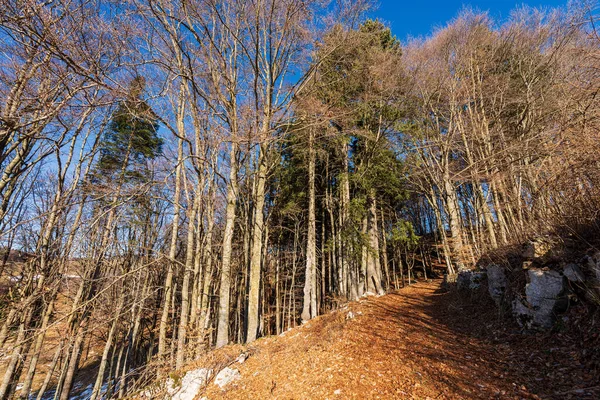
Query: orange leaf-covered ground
{"type": "Point", "coordinates": [417, 343]}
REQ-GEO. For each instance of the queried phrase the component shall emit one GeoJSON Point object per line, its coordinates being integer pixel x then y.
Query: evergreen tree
{"type": "Point", "coordinates": [131, 139]}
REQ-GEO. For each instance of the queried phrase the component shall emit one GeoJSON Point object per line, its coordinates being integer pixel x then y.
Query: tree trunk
{"type": "Point", "coordinates": [373, 278]}
{"type": "Point", "coordinates": [168, 285]}
{"type": "Point", "coordinates": [185, 288]}
{"type": "Point", "coordinates": [223, 317]}
{"type": "Point", "coordinates": [309, 310]}
{"type": "Point", "coordinates": [256, 250]}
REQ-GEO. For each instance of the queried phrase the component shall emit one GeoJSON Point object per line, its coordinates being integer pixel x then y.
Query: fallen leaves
{"type": "Point", "coordinates": [416, 343]}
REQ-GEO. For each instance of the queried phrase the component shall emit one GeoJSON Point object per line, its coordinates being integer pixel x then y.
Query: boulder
{"type": "Point", "coordinates": [497, 283]}
{"type": "Point", "coordinates": [573, 273]}
{"type": "Point", "coordinates": [469, 280]}
{"type": "Point", "coordinates": [190, 385]}
{"type": "Point", "coordinates": [545, 295]}
{"type": "Point", "coordinates": [242, 358]}
{"type": "Point", "coordinates": [226, 376]}
{"type": "Point", "coordinates": [522, 313]}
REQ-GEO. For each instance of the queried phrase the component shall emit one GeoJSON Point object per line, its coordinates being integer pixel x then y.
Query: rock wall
{"type": "Point", "coordinates": [543, 288]}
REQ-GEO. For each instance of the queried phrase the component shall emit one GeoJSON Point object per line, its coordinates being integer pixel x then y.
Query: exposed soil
{"type": "Point", "coordinates": [417, 343]}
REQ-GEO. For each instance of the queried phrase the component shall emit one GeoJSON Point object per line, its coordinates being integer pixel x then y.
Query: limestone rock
{"type": "Point", "coordinates": [497, 283]}
{"type": "Point", "coordinates": [242, 358]}
{"type": "Point", "coordinates": [522, 313]}
{"type": "Point", "coordinates": [573, 273]}
{"type": "Point", "coordinates": [545, 297]}
{"type": "Point", "coordinates": [469, 280]}
{"type": "Point", "coordinates": [191, 384]}
{"type": "Point", "coordinates": [226, 376]}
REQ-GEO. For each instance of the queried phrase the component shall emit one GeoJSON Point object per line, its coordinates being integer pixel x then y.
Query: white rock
{"type": "Point", "coordinates": [191, 384]}
{"type": "Point", "coordinates": [226, 376]}
{"type": "Point", "coordinates": [545, 297]}
{"type": "Point", "coordinates": [350, 315]}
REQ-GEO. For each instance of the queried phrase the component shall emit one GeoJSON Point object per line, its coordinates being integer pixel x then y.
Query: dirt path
{"type": "Point", "coordinates": [416, 343]}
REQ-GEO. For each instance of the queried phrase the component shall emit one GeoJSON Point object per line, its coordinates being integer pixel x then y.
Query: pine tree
{"type": "Point", "coordinates": [131, 139]}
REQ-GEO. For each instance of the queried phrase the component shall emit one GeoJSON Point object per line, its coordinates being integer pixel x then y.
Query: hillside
{"type": "Point", "coordinates": [417, 343]}
{"type": "Point", "coordinates": [183, 181]}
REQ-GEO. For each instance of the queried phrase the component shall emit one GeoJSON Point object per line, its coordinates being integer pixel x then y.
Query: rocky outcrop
{"type": "Point", "coordinates": [497, 283]}
{"type": "Point", "coordinates": [573, 273]}
{"type": "Point", "coordinates": [544, 298]}
{"type": "Point", "coordinates": [470, 280]}
{"type": "Point", "coordinates": [226, 376]}
{"type": "Point", "coordinates": [554, 279]}
{"type": "Point", "coordinates": [190, 385]}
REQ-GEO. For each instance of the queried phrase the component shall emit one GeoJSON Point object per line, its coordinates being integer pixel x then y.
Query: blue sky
{"type": "Point", "coordinates": [419, 18]}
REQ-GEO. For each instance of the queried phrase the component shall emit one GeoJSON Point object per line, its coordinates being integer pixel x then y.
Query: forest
{"type": "Point", "coordinates": [177, 176]}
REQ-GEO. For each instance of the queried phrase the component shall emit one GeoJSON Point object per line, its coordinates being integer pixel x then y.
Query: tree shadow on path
{"type": "Point", "coordinates": [464, 349]}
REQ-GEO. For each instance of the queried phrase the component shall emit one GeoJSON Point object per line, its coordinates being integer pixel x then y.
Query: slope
{"type": "Point", "coordinates": [420, 343]}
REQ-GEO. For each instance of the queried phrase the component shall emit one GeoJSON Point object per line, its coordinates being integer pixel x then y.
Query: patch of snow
{"type": "Point", "coordinates": [337, 391]}
{"type": "Point", "coordinates": [89, 389]}
{"type": "Point", "coordinates": [83, 395]}
{"type": "Point", "coordinates": [87, 393]}
{"type": "Point", "coordinates": [48, 395]}
{"type": "Point", "coordinates": [367, 294]}
{"type": "Point", "coordinates": [226, 376]}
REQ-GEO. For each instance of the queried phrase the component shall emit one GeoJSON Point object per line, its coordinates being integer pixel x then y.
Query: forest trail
{"type": "Point", "coordinates": [416, 343]}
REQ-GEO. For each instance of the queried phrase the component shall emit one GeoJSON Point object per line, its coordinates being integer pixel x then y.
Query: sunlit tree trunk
{"type": "Point", "coordinates": [309, 309]}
